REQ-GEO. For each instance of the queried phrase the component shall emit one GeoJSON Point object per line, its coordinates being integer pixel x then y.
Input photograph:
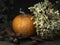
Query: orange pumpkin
{"type": "Point", "coordinates": [23, 24]}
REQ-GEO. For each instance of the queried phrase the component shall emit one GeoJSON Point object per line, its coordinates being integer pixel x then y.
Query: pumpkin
{"type": "Point", "coordinates": [23, 25]}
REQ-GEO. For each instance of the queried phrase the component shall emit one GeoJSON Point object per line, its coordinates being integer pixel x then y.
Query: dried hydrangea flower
{"type": "Point", "coordinates": [47, 20]}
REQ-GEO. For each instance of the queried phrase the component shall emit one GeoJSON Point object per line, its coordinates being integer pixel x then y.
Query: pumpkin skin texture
{"type": "Point", "coordinates": [23, 25]}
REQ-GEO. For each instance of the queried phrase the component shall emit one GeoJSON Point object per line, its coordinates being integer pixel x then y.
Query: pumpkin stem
{"type": "Point", "coordinates": [22, 12]}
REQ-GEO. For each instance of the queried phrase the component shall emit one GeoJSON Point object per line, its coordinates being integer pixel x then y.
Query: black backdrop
{"type": "Point", "coordinates": [13, 6]}
{"type": "Point", "coordinates": [24, 4]}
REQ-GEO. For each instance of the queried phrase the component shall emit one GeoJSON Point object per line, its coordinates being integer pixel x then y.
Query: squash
{"type": "Point", "coordinates": [23, 25]}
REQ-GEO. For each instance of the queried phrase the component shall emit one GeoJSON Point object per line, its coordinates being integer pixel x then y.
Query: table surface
{"type": "Point", "coordinates": [55, 42]}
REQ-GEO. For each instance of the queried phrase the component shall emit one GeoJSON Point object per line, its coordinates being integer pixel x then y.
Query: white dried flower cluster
{"type": "Point", "coordinates": [47, 19]}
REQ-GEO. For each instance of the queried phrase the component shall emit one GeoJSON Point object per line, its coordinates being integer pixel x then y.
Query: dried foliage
{"type": "Point", "coordinates": [47, 20]}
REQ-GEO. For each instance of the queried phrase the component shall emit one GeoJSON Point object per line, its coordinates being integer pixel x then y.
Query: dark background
{"type": "Point", "coordinates": [11, 7]}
